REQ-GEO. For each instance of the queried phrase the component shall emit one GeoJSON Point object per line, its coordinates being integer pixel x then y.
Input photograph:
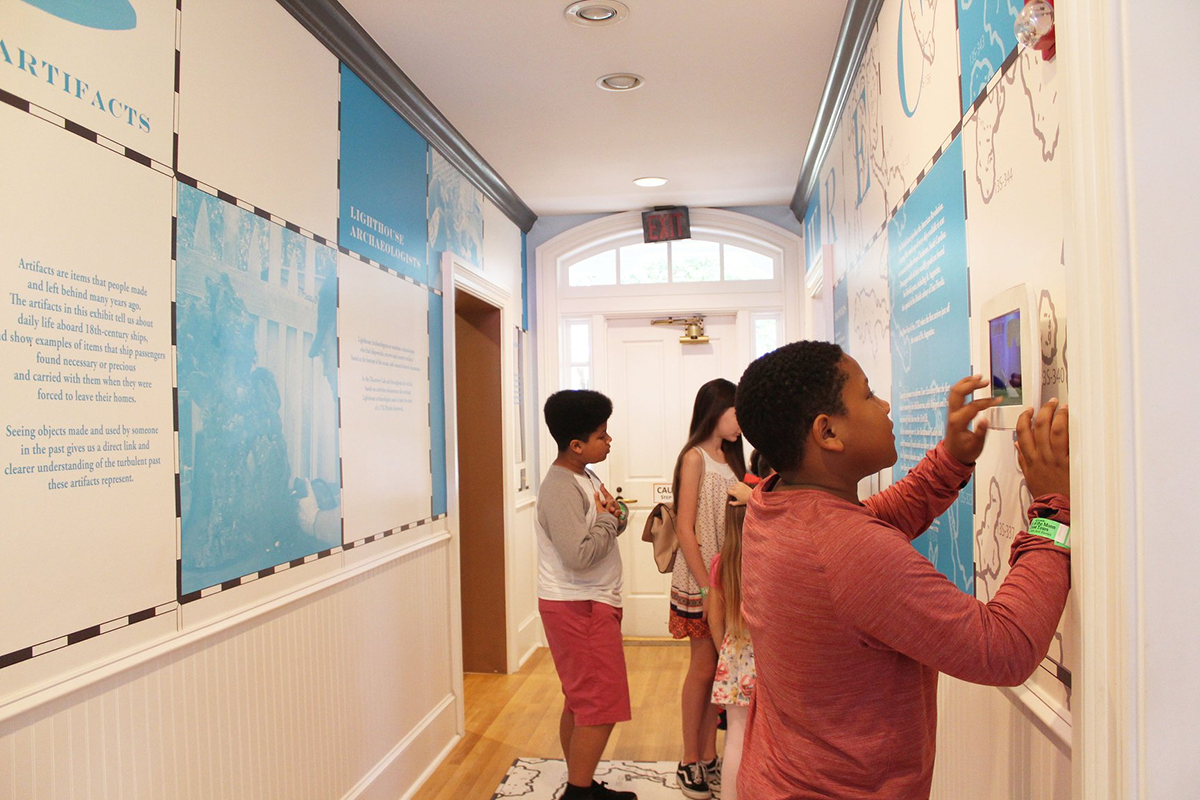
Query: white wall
{"type": "Point", "coordinates": [1162, 70]}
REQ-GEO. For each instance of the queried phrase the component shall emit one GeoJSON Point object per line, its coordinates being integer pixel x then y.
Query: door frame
{"type": "Point", "coordinates": [460, 275]}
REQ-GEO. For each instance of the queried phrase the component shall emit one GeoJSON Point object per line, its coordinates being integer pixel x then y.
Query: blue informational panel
{"type": "Point", "coordinates": [437, 405]}
{"type": "Point", "coordinates": [257, 373]}
{"type": "Point", "coordinates": [985, 38]}
{"type": "Point", "coordinates": [841, 314]}
{"type": "Point", "coordinates": [812, 230]}
{"type": "Point", "coordinates": [383, 182]}
{"type": "Point", "coordinates": [931, 341]}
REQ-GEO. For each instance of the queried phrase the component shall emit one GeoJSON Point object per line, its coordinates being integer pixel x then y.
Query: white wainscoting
{"type": "Point", "coordinates": [989, 748]}
{"type": "Point", "coordinates": [523, 593]}
{"type": "Point", "coordinates": [345, 693]}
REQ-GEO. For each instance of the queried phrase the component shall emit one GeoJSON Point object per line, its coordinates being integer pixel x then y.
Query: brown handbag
{"type": "Point", "coordinates": [660, 532]}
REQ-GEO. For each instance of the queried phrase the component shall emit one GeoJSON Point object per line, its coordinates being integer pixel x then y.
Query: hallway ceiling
{"type": "Point", "coordinates": [729, 102]}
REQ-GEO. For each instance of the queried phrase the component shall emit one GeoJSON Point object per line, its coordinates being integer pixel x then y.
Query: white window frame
{"type": "Point", "coordinates": [709, 230]}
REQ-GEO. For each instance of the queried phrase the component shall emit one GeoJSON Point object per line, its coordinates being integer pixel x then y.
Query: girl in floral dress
{"type": "Point", "coordinates": [733, 686]}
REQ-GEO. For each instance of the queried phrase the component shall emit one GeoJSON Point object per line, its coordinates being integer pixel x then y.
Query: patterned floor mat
{"type": "Point", "coordinates": [544, 779]}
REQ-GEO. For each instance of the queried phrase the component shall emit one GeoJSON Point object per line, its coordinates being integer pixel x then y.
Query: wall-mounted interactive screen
{"type": "Point", "coordinates": [1005, 352]}
{"type": "Point", "coordinates": [1009, 352]}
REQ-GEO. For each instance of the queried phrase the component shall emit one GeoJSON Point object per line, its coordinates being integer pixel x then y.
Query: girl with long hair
{"type": "Point", "coordinates": [707, 470]}
{"type": "Point", "coordinates": [733, 686]}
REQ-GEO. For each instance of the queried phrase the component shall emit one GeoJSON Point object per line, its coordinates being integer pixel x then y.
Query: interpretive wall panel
{"type": "Point", "coordinates": [85, 371]}
{"type": "Point", "coordinates": [385, 400]}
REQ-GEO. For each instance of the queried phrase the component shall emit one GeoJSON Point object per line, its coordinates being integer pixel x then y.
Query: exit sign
{"type": "Point", "coordinates": [665, 224]}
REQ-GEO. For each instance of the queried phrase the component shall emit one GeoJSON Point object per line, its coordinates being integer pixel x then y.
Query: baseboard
{"type": "Point", "coordinates": [414, 758]}
{"type": "Point", "coordinates": [529, 637]}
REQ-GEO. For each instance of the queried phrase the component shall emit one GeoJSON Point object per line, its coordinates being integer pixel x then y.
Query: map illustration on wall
{"type": "Point", "coordinates": [985, 38]}
{"type": "Point", "coordinates": [257, 374]}
{"type": "Point", "coordinates": [910, 200]}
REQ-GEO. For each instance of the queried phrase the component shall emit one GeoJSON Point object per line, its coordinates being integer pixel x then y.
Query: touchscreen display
{"type": "Point", "coordinates": [1005, 334]}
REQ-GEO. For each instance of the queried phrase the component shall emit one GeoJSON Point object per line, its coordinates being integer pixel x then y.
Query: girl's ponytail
{"type": "Point", "coordinates": [731, 569]}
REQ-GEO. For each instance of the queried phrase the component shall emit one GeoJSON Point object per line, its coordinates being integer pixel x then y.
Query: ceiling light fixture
{"type": "Point", "coordinates": [596, 12]}
{"type": "Point", "coordinates": [620, 82]}
{"type": "Point", "coordinates": [650, 182]}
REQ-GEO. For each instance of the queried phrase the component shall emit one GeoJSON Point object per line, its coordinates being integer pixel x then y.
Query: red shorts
{"type": "Point", "coordinates": [585, 641]}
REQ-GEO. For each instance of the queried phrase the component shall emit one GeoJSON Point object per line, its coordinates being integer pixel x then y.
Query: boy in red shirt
{"type": "Point", "coordinates": [851, 625]}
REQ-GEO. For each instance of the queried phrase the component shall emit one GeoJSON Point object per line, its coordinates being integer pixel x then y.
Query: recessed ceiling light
{"type": "Point", "coordinates": [596, 12]}
{"type": "Point", "coordinates": [620, 82]}
{"type": "Point", "coordinates": [650, 182]}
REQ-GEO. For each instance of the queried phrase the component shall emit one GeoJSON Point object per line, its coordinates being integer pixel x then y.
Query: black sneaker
{"type": "Point", "coordinates": [692, 782]}
{"type": "Point", "coordinates": [712, 772]}
{"type": "Point", "coordinates": [600, 791]}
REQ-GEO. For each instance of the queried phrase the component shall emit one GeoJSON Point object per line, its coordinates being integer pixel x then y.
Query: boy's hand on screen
{"type": "Point", "coordinates": [961, 441]}
{"type": "Point", "coordinates": [1044, 449]}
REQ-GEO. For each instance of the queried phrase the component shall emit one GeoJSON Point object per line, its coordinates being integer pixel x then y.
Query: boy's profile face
{"type": "Point", "coordinates": [865, 428]}
{"type": "Point", "coordinates": [595, 448]}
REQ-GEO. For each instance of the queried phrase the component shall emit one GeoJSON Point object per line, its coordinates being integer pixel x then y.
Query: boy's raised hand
{"type": "Point", "coordinates": [1044, 449]}
{"type": "Point", "coordinates": [961, 441]}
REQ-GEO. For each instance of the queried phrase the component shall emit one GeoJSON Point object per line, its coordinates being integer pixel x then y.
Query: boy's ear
{"type": "Point", "coordinates": [825, 436]}
{"type": "Point", "coordinates": [576, 446]}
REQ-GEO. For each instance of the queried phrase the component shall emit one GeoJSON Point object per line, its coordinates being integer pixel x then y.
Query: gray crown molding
{"type": "Point", "coordinates": [333, 26]}
{"type": "Point", "coordinates": [852, 41]}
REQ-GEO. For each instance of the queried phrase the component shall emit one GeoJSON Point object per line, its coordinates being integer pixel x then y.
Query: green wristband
{"type": "Point", "coordinates": [1049, 529]}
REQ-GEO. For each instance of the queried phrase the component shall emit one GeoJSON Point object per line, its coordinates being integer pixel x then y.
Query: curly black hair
{"type": "Point", "coordinates": [781, 393]}
{"type": "Point", "coordinates": [575, 414]}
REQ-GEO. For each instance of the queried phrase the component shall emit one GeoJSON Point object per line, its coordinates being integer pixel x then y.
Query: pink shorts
{"type": "Point", "coordinates": [585, 641]}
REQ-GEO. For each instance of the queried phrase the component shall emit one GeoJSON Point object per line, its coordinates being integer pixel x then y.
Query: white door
{"type": "Point", "coordinates": [652, 379]}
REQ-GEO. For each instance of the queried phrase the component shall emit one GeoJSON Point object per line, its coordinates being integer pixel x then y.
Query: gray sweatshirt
{"type": "Point", "coordinates": [577, 554]}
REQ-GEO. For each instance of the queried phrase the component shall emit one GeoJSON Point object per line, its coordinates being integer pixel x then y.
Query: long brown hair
{"type": "Point", "coordinates": [712, 400]}
{"type": "Point", "coordinates": [731, 570]}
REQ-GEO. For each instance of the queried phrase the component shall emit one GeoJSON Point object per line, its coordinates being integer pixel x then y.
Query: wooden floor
{"type": "Point", "coordinates": [516, 716]}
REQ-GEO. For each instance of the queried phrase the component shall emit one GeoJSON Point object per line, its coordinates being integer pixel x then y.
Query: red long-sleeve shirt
{"type": "Point", "coordinates": [851, 627]}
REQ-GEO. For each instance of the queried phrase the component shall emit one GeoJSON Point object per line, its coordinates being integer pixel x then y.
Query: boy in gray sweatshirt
{"type": "Point", "coordinates": [579, 587]}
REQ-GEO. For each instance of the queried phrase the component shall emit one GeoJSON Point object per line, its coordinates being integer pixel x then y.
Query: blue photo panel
{"type": "Point", "coordinates": [985, 38]}
{"type": "Point", "coordinates": [382, 182]}
{"type": "Point", "coordinates": [841, 314]}
{"type": "Point", "coordinates": [455, 216]}
{"type": "Point", "coordinates": [437, 405]}
{"type": "Point", "coordinates": [931, 342]}
{"type": "Point", "coordinates": [257, 357]}
{"type": "Point", "coordinates": [812, 230]}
